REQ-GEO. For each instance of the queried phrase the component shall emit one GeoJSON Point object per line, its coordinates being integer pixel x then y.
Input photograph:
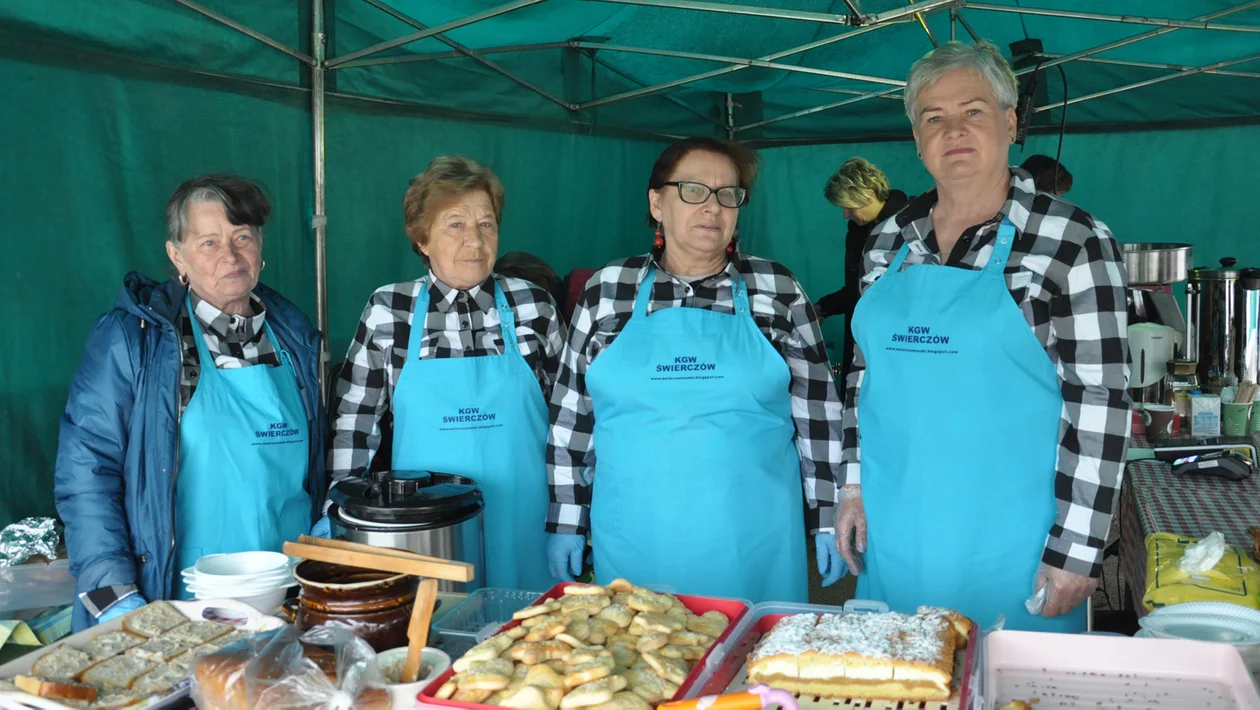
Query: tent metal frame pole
{"type": "Point", "coordinates": [453, 54]}
{"type": "Point", "coordinates": [975, 36]}
{"type": "Point", "coordinates": [429, 32]}
{"type": "Point", "coordinates": [1124, 19]}
{"type": "Point", "coordinates": [850, 92]}
{"type": "Point", "coordinates": [471, 54]}
{"type": "Point", "coordinates": [785, 14]}
{"type": "Point", "coordinates": [953, 25]}
{"type": "Point", "coordinates": [1157, 80]}
{"type": "Point", "coordinates": [245, 30]}
{"type": "Point", "coordinates": [855, 12]}
{"type": "Point", "coordinates": [1122, 42]}
{"type": "Point", "coordinates": [883, 19]}
{"type": "Point", "coordinates": [737, 60]}
{"type": "Point", "coordinates": [1157, 65]}
{"type": "Point", "coordinates": [818, 109]}
{"type": "Point", "coordinates": [319, 220]}
{"type": "Point", "coordinates": [630, 78]}
{"type": "Point", "coordinates": [732, 9]}
{"type": "Point", "coordinates": [730, 116]}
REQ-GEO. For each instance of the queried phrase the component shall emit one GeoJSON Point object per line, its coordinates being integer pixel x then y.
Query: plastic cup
{"type": "Point", "coordinates": [1234, 418]}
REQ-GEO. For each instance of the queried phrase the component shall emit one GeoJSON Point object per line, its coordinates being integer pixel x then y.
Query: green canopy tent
{"type": "Point", "coordinates": [334, 104]}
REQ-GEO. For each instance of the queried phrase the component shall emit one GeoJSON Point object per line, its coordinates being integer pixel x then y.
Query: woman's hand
{"type": "Point", "coordinates": [1064, 590]}
{"type": "Point", "coordinates": [851, 527]}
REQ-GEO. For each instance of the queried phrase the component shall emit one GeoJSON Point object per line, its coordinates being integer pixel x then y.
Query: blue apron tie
{"type": "Point", "coordinates": [960, 411]}
{"type": "Point", "coordinates": [484, 418]}
{"type": "Point", "coordinates": [244, 448]}
{"type": "Point", "coordinates": [698, 482]}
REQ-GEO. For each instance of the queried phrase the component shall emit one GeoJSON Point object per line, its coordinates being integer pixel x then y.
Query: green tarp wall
{"type": "Point", "coordinates": [93, 141]}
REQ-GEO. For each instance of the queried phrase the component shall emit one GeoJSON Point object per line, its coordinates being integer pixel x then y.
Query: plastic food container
{"type": "Point", "coordinates": [36, 586]}
{"type": "Point", "coordinates": [735, 610]}
{"type": "Point", "coordinates": [1087, 671]}
{"type": "Point", "coordinates": [478, 616]}
{"type": "Point", "coordinates": [727, 669]}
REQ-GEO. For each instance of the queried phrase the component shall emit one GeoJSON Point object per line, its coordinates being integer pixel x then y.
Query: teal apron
{"type": "Point", "coordinates": [698, 483]}
{"type": "Point", "coordinates": [484, 418]}
{"type": "Point", "coordinates": [959, 417]}
{"type": "Point", "coordinates": [244, 449]}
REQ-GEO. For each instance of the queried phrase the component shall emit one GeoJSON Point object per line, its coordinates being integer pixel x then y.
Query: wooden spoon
{"type": "Point", "coordinates": [418, 629]}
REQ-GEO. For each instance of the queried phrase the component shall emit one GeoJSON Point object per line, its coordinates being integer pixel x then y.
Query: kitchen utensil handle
{"type": "Point", "coordinates": [726, 701]}
{"type": "Point", "coordinates": [418, 629]}
{"type": "Point", "coordinates": [755, 698]}
{"type": "Point", "coordinates": [443, 569]}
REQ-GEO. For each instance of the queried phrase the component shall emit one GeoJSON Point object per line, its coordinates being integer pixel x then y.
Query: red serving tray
{"type": "Point", "coordinates": [722, 678]}
{"type": "Point", "coordinates": [733, 609]}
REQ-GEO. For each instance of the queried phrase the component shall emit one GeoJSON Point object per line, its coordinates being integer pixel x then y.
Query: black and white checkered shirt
{"type": "Point", "coordinates": [1066, 274]}
{"type": "Point", "coordinates": [781, 311]}
{"type": "Point", "coordinates": [458, 324]}
{"type": "Point", "coordinates": [233, 341]}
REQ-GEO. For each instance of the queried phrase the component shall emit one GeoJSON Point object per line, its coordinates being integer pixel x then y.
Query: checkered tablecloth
{"type": "Point", "coordinates": [1153, 500]}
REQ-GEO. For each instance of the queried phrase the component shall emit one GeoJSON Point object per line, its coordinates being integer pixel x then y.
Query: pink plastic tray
{"type": "Point", "coordinates": [1107, 672]}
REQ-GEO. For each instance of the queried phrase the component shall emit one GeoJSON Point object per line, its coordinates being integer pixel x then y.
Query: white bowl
{"type": "Point", "coordinates": [231, 566]}
{"type": "Point", "coordinates": [273, 581]}
{"type": "Point", "coordinates": [220, 593]}
{"type": "Point", "coordinates": [267, 602]}
{"type": "Point", "coordinates": [279, 573]}
{"type": "Point", "coordinates": [403, 695]}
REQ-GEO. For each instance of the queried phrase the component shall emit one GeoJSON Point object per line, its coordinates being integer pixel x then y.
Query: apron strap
{"type": "Point", "coordinates": [507, 321]}
{"type": "Point", "coordinates": [644, 293]}
{"type": "Point", "coordinates": [208, 366]}
{"type": "Point", "coordinates": [1002, 246]}
{"type": "Point", "coordinates": [900, 258]}
{"type": "Point", "coordinates": [420, 314]}
{"type": "Point", "coordinates": [739, 292]}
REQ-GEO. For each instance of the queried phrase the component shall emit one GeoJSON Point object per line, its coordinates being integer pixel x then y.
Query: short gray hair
{"type": "Point", "coordinates": [982, 58]}
{"type": "Point", "coordinates": [243, 202]}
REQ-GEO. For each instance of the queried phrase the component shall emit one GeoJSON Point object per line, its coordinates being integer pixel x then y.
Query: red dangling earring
{"type": "Point", "coordinates": [730, 248]}
{"type": "Point", "coordinates": [660, 237]}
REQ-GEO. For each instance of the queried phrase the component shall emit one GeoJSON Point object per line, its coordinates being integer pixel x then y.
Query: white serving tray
{"type": "Point", "coordinates": [253, 620]}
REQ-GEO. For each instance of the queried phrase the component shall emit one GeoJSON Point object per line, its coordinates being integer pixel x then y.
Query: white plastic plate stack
{"type": "Point", "coordinates": [259, 579]}
{"type": "Point", "coordinates": [1218, 622]}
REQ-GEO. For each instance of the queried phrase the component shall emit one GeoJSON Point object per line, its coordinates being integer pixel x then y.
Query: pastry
{"type": "Point", "coordinates": [888, 656]}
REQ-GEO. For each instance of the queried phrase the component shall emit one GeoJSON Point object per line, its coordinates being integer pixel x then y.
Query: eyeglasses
{"type": "Point", "coordinates": [697, 193]}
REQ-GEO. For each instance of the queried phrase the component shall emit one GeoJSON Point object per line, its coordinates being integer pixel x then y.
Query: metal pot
{"type": "Point", "coordinates": [375, 605]}
{"type": "Point", "coordinates": [434, 514]}
{"type": "Point", "coordinates": [1156, 263]}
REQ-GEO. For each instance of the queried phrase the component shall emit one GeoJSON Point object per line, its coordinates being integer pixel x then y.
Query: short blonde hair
{"type": "Point", "coordinates": [857, 184]}
{"type": "Point", "coordinates": [447, 178]}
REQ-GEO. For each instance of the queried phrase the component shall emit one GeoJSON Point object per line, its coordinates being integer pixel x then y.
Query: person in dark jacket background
{"type": "Point", "coordinates": [1048, 174]}
{"type": "Point", "coordinates": [194, 424]}
{"type": "Point", "coordinates": [862, 191]}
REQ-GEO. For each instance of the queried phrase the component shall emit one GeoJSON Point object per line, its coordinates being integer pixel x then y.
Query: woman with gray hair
{"type": "Point", "coordinates": [461, 361]}
{"type": "Point", "coordinates": [194, 424]}
{"type": "Point", "coordinates": [994, 317]}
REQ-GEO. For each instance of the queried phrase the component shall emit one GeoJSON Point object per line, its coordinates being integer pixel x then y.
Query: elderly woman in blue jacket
{"type": "Point", "coordinates": [194, 424]}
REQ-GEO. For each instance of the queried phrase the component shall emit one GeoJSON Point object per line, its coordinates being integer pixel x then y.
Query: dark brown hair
{"type": "Point", "coordinates": [746, 162]}
{"type": "Point", "coordinates": [1048, 174]}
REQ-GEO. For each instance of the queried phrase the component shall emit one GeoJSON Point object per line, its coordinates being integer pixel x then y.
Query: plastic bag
{"type": "Point", "coordinates": [1234, 578]}
{"type": "Point", "coordinates": [326, 668]}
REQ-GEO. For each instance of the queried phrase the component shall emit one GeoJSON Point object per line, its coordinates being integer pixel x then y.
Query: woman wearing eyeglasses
{"type": "Point", "coordinates": [694, 404]}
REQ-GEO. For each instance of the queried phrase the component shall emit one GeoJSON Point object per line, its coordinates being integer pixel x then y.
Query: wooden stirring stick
{"type": "Point", "coordinates": [384, 560]}
{"type": "Point", "coordinates": [418, 629]}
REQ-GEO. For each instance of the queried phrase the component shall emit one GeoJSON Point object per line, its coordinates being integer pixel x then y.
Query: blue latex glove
{"type": "Point", "coordinates": [830, 564]}
{"type": "Point", "coordinates": [564, 555]}
{"type": "Point", "coordinates": [123, 606]}
{"type": "Point", "coordinates": [322, 529]}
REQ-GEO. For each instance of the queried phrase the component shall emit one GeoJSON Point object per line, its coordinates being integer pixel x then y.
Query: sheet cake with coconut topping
{"type": "Point", "coordinates": [888, 656]}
